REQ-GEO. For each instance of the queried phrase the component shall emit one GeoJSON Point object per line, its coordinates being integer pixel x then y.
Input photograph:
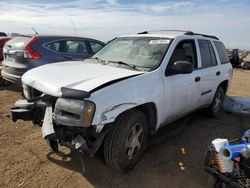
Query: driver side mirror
{"type": "Point", "coordinates": [181, 67]}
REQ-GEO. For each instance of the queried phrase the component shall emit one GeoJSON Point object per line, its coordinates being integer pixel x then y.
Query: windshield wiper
{"type": "Point", "coordinates": [123, 63]}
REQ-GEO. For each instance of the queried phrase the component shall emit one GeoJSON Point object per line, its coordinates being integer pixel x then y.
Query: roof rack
{"type": "Point", "coordinates": [204, 35]}
{"type": "Point", "coordinates": [153, 31]}
{"type": "Point", "coordinates": [182, 31]}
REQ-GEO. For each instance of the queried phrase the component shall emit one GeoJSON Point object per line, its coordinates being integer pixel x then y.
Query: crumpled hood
{"type": "Point", "coordinates": [78, 75]}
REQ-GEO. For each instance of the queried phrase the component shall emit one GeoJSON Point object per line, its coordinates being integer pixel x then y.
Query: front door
{"type": "Point", "coordinates": [182, 91]}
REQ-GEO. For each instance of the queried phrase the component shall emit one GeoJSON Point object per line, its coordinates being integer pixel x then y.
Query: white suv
{"type": "Point", "coordinates": [126, 91]}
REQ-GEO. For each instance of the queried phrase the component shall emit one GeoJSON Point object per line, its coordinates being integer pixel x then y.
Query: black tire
{"type": "Point", "coordinates": [216, 105]}
{"type": "Point", "coordinates": [3, 82]}
{"type": "Point", "coordinates": [117, 151]}
{"type": "Point", "coordinates": [218, 184]}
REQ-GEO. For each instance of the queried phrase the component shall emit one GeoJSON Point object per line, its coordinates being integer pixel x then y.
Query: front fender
{"type": "Point", "coordinates": [109, 115]}
{"type": "Point", "coordinates": [121, 96]}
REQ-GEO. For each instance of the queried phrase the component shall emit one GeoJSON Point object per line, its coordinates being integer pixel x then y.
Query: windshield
{"type": "Point", "coordinates": [142, 52]}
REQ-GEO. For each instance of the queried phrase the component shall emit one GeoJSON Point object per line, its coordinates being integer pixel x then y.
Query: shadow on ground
{"type": "Point", "coordinates": [159, 165]}
{"type": "Point", "coordinates": [11, 87]}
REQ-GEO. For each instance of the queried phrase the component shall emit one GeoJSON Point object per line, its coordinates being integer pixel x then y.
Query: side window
{"type": "Point", "coordinates": [184, 51]}
{"type": "Point", "coordinates": [212, 54]}
{"type": "Point", "coordinates": [207, 54]}
{"type": "Point", "coordinates": [55, 46]}
{"type": "Point", "coordinates": [222, 52]}
{"type": "Point", "coordinates": [95, 47]}
{"type": "Point", "coordinates": [74, 46]}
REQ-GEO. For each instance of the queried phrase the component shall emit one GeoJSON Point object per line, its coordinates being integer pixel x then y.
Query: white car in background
{"type": "Point", "coordinates": [126, 91]}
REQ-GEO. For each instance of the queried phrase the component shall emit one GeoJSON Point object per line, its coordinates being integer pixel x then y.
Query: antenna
{"type": "Point", "coordinates": [34, 30]}
{"type": "Point", "coordinates": [73, 26]}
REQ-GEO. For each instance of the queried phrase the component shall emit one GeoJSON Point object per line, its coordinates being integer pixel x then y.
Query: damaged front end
{"type": "Point", "coordinates": [65, 121]}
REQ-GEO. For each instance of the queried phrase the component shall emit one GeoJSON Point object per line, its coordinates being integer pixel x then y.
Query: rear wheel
{"type": "Point", "coordinates": [126, 142]}
{"type": "Point", "coordinates": [216, 104]}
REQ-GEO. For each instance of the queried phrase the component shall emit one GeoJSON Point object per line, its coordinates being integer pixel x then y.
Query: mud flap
{"type": "Point", "coordinates": [48, 131]}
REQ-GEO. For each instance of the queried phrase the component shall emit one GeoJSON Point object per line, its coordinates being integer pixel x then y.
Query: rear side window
{"type": "Point", "coordinates": [95, 47]}
{"type": "Point", "coordinates": [207, 54]}
{"type": "Point", "coordinates": [73, 46]}
{"type": "Point", "coordinates": [55, 46]}
{"type": "Point", "coordinates": [212, 54]}
{"type": "Point", "coordinates": [222, 52]}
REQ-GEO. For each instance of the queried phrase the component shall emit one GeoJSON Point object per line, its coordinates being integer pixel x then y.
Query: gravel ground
{"type": "Point", "coordinates": [26, 161]}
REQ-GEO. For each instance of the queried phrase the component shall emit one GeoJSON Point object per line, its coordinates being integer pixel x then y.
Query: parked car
{"type": "Point", "coordinates": [26, 52]}
{"type": "Point", "coordinates": [3, 40]}
{"type": "Point", "coordinates": [2, 34]}
{"type": "Point", "coordinates": [125, 92]}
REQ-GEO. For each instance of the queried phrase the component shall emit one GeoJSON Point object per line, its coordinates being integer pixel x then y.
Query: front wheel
{"type": "Point", "coordinates": [126, 142]}
{"type": "Point", "coordinates": [216, 104]}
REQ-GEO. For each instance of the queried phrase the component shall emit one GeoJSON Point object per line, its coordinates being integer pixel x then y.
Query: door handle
{"type": "Point", "coordinates": [218, 73]}
{"type": "Point", "coordinates": [197, 79]}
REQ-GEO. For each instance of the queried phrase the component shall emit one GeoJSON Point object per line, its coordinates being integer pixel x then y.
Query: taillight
{"type": "Point", "coordinates": [29, 52]}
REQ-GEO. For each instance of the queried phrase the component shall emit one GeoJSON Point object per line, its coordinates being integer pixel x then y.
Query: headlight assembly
{"type": "Point", "coordinates": [72, 112]}
{"type": "Point", "coordinates": [88, 113]}
{"type": "Point", "coordinates": [26, 91]}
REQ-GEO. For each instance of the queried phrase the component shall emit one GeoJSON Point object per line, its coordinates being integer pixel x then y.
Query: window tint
{"type": "Point", "coordinates": [184, 51]}
{"type": "Point", "coordinates": [76, 47]}
{"type": "Point", "coordinates": [55, 46]}
{"type": "Point", "coordinates": [222, 52]}
{"type": "Point", "coordinates": [212, 54]}
{"type": "Point", "coordinates": [207, 53]}
{"type": "Point", "coordinates": [95, 47]}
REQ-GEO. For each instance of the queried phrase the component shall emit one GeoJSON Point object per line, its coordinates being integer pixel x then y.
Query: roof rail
{"type": "Point", "coordinates": [204, 35]}
{"type": "Point", "coordinates": [182, 31]}
{"type": "Point", "coordinates": [153, 31]}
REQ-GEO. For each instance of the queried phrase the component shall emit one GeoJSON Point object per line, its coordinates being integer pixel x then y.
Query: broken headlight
{"type": "Point", "coordinates": [73, 112]}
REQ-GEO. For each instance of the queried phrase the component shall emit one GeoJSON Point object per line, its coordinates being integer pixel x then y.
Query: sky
{"type": "Point", "coordinates": [105, 19]}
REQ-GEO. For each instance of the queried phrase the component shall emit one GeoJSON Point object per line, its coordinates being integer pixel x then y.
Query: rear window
{"type": "Point", "coordinates": [222, 52]}
{"type": "Point", "coordinates": [18, 42]}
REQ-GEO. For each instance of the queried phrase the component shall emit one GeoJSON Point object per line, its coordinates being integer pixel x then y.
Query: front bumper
{"type": "Point", "coordinates": [75, 138]}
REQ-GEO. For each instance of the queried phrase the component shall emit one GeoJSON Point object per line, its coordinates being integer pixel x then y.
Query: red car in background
{"type": "Point", "coordinates": [3, 40]}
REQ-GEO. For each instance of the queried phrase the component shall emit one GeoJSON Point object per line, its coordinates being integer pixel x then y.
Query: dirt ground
{"type": "Point", "coordinates": [26, 161]}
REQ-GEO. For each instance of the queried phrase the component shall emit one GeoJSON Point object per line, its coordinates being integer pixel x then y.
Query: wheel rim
{"type": "Point", "coordinates": [218, 102]}
{"type": "Point", "coordinates": [134, 141]}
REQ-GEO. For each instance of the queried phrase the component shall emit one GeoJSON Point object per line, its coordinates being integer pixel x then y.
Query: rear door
{"type": "Point", "coordinates": [54, 51]}
{"type": "Point", "coordinates": [76, 50]}
{"type": "Point", "coordinates": [225, 66]}
{"type": "Point", "coordinates": [209, 71]}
